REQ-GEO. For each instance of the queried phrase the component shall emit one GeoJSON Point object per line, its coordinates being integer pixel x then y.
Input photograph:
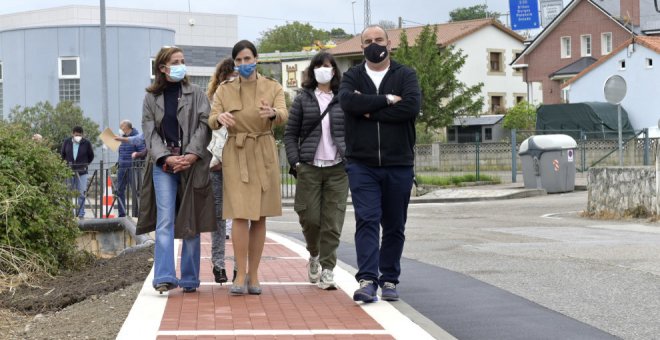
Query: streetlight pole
{"type": "Point", "coordinates": [353, 8]}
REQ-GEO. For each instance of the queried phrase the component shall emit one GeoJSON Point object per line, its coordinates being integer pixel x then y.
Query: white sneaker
{"type": "Point", "coordinates": [313, 269]}
{"type": "Point", "coordinates": [327, 281]}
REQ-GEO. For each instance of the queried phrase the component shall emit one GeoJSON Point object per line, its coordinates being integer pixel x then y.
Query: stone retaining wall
{"type": "Point", "coordinates": [621, 191]}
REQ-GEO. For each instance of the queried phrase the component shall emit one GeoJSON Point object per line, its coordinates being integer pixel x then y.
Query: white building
{"type": "Point", "coordinates": [54, 54]}
{"type": "Point", "coordinates": [638, 62]}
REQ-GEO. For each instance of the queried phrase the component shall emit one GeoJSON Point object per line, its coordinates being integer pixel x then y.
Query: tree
{"type": "Point", "coordinates": [339, 33]}
{"type": "Point", "coordinates": [521, 117]}
{"type": "Point", "coordinates": [290, 37]}
{"type": "Point", "coordinates": [470, 13]}
{"type": "Point", "coordinates": [55, 123]}
{"type": "Point", "coordinates": [444, 97]}
{"type": "Point", "coordinates": [387, 24]}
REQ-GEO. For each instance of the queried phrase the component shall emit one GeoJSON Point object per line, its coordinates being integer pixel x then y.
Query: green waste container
{"type": "Point", "coordinates": [548, 162]}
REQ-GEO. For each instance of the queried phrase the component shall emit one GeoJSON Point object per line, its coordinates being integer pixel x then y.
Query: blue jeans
{"type": "Point", "coordinates": [380, 198]}
{"type": "Point", "coordinates": [165, 185]}
{"type": "Point", "coordinates": [218, 236]}
{"type": "Point", "coordinates": [123, 178]}
{"type": "Point", "coordinates": [79, 183]}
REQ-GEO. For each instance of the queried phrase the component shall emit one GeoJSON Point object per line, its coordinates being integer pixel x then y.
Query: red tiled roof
{"type": "Point", "coordinates": [650, 42]}
{"type": "Point", "coordinates": [447, 34]}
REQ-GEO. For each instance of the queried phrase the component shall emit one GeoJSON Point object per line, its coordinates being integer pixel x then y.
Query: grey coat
{"type": "Point", "coordinates": [303, 114]}
{"type": "Point", "coordinates": [196, 212]}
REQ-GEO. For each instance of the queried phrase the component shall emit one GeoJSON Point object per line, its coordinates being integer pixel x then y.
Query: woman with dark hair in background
{"type": "Point", "coordinates": [314, 140]}
{"type": "Point", "coordinates": [223, 71]}
{"type": "Point", "coordinates": [177, 200]}
{"type": "Point", "coordinates": [249, 106]}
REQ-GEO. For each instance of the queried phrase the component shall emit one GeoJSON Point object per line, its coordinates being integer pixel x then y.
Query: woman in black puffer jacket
{"type": "Point", "coordinates": [314, 140]}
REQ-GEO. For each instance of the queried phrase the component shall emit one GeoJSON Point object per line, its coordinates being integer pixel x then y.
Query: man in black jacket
{"type": "Point", "coordinates": [381, 99]}
{"type": "Point", "coordinates": [78, 153]}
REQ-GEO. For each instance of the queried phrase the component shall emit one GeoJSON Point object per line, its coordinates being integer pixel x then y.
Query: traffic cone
{"type": "Point", "coordinates": [107, 201]}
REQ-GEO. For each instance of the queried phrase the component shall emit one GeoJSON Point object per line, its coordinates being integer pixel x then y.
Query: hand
{"type": "Point", "coordinates": [367, 115]}
{"type": "Point", "coordinates": [190, 158]}
{"type": "Point", "coordinates": [134, 155]}
{"type": "Point", "coordinates": [265, 110]}
{"type": "Point", "coordinates": [121, 139]}
{"type": "Point", "coordinates": [226, 119]}
{"type": "Point", "coordinates": [395, 99]}
{"type": "Point", "coordinates": [177, 163]}
{"type": "Point", "coordinates": [216, 167]}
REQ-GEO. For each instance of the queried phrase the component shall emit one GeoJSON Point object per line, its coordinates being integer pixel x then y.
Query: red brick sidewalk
{"type": "Point", "coordinates": [289, 307]}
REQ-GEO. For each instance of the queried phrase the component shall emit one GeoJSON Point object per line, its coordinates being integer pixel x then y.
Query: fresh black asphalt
{"type": "Point", "coordinates": [471, 309]}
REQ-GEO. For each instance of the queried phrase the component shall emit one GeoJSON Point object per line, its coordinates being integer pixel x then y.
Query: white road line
{"type": "Point", "coordinates": [394, 322]}
{"type": "Point", "coordinates": [293, 332]}
{"type": "Point", "coordinates": [147, 312]}
{"type": "Point", "coordinates": [273, 283]}
{"type": "Point", "coordinates": [555, 216]}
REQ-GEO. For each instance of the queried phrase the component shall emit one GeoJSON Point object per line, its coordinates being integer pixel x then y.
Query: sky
{"type": "Point", "coordinates": [257, 16]}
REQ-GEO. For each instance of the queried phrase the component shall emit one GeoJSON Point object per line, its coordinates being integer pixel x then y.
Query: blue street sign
{"type": "Point", "coordinates": [524, 14]}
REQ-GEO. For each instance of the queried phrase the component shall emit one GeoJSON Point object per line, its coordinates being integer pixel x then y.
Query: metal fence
{"type": "Point", "coordinates": [499, 160]}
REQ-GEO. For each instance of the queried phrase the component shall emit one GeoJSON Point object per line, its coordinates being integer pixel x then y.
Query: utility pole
{"type": "Point", "coordinates": [400, 22]}
{"type": "Point", "coordinates": [353, 9]}
{"type": "Point", "coordinates": [104, 70]}
{"type": "Point", "coordinates": [367, 14]}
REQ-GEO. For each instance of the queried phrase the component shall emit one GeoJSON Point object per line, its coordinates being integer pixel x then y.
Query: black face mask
{"type": "Point", "coordinates": [375, 53]}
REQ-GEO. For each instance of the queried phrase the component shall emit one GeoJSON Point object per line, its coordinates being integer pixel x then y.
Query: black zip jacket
{"type": "Point", "coordinates": [387, 137]}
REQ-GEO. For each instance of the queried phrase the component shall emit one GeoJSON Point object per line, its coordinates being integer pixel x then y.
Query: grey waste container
{"type": "Point", "coordinates": [548, 162]}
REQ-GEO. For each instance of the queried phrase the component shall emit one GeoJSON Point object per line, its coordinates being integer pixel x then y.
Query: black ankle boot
{"type": "Point", "coordinates": [220, 275]}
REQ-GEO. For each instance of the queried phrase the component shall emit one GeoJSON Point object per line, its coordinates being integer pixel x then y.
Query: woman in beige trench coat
{"type": "Point", "coordinates": [249, 106]}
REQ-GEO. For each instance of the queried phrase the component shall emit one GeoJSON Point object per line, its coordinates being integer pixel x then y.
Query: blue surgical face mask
{"type": "Point", "coordinates": [177, 72]}
{"type": "Point", "coordinates": [245, 70]}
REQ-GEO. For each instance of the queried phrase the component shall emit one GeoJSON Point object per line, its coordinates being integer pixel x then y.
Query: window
{"type": "Point", "coordinates": [516, 55]}
{"type": "Point", "coordinates": [495, 104]}
{"type": "Point", "coordinates": [69, 67]}
{"type": "Point", "coordinates": [495, 60]}
{"type": "Point", "coordinates": [585, 43]}
{"type": "Point", "coordinates": [565, 47]}
{"type": "Point", "coordinates": [152, 63]}
{"type": "Point", "coordinates": [488, 133]}
{"type": "Point", "coordinates": [451, 134]}
{"type": "Point", "coordinates": [649, 63]}
{"type": "Point", "coordinates": [519, 99]}
{"type": "Point", "coordinates": [201, 81]}
{"type": "Point", "coordinates": [622, 64]}
{"type": "Point", "coordinates": [70, 90]}
{"type": "Point", "coordinates": [605, 43]}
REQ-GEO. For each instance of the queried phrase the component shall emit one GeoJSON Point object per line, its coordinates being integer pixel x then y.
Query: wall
{"type": "Point", "coordinates": [546, 57]}
{"type": "Point", "coordinates": [208, 29]}
{"type": "Point", "coordinates": [643, 94]}
{"type": "Point", "coordinates": [615, 190]}
{"type": "Point", "coordinates": [476, 47]}
{"type": "Point", "coordinates": [29, 58]}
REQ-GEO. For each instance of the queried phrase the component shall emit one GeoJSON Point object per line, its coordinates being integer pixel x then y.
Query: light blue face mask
{"type": "Point", "coordinates": [245, 70]}
{"type": "Point", "coordinates": [177, 72]}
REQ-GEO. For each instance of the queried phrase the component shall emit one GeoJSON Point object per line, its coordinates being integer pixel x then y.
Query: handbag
{"type": "Point", "coordinates": [292, 170]}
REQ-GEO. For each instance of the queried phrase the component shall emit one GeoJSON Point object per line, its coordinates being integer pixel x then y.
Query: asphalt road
{"type": "Point", "coordinates": [524, 268]}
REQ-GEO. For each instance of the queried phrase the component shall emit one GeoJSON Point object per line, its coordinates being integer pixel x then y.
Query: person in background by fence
{"type": "Point", "coordinates": [176, 197]}
{"type": "Point", "coordinates": [78, 153]}
{"type": "Point", "coordinates": [223, 71]}
{"type": "Point", "coordinates": [132, 148]}
{"type": "Point", "coordinates": [381, 99]}
{"type": "Point", "coordinates": [314, 140]}
{"type": "Point", "coordinates": [249, 106]}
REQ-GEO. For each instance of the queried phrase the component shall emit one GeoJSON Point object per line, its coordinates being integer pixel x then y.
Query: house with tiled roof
{"type": "Point", "coordinates": [637, 60]}
{"type": "Point", "coordinates": [583, 32]}
{"type": "Point", "coordinates": [489, 47]}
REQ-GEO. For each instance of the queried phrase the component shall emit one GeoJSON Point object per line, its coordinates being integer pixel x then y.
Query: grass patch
{"type": "Point", "coordinates": [454, 180]}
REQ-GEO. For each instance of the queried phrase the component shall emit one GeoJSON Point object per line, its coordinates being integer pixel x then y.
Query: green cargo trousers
{"type": "Point", "coordinates": [320, 202]}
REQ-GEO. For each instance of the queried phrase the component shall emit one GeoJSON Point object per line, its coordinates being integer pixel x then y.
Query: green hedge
{"type": "Point", "coordinates": [36, 208]}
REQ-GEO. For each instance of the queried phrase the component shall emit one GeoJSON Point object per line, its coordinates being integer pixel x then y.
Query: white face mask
{"type": "Point", "coordinates": [323, 74]}
{"type": "Point", "coordinates": [77, 139]}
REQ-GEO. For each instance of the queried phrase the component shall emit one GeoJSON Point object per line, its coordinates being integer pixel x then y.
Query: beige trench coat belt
{"type": "Point", "coordinates": [259, 155]}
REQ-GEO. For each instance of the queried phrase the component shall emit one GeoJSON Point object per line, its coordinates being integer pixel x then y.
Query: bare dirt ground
{"type": "Point", "coordinates": [91, 303]}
